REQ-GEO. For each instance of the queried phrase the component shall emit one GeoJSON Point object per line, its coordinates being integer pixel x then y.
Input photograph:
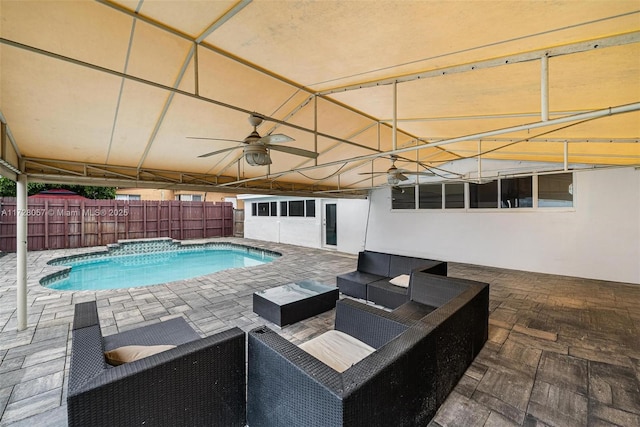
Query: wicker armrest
{"type": "Point", "coordinates": [277, 372]}
{"type": "Point", "coordinates": [202, 378]}
{"type": "Point", "coordinates": [370, 325]}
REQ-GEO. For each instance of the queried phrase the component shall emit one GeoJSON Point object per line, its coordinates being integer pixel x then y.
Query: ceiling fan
{"type": "Point", "coordinates": [395, 175]}
{"type": "Point", "coordinates": [256, 148]}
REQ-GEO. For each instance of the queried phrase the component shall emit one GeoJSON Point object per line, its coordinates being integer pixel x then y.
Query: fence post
{"type": "Point", "coordinates": [204, 219]}
{"type": "Point", "coordinates": [46, 224]}
{"type": "Point", "coordinates": [115, 220]}
{"type": "Point", "coordinates": [67, 241]}
{"type": "Point", "coordinates": [170, 207]}
{"type": "Point", "coordinates": [126, 219]}
{"type": "Point", "coordinates": [144, 219]}
{"type": "Point", "coordinates": [83, 243]}
{"type": "Point", "coordinates": [99, 227]}
{"type": "Point", "coordinates": [181, 222]}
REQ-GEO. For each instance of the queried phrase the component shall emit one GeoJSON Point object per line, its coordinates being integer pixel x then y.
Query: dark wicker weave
{"type": "Point", "coordinates": [201, 382]}
{"type": "Point", "coordinates": [416, 364]}
{"type": "Point", "coordinates": [295, 310]}
{"type": "Point", "coordinates": [371, 279]}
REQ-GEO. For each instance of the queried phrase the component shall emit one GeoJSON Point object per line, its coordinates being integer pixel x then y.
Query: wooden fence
{"type": "Point", "coordinates": [71, 223]}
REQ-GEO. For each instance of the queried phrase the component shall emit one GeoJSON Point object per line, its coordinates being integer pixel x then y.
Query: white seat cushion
{"type": "Point", "coordinates": [337, 349]}
{"type": "Point", "coordinates": [401, 280]}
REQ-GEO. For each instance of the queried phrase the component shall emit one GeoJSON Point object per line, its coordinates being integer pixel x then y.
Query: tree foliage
{"type": "Point", "coordinates": [8, 189]}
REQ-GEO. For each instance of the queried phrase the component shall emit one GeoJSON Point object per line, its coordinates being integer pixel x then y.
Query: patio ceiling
{"type": "Point", "coordinates": [110, 92]}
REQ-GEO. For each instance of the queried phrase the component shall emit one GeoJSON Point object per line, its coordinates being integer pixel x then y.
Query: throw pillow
{"type": "Point", "coordinates": [129, 353]}
{"type": "Point", "coordinates": [401, 280]}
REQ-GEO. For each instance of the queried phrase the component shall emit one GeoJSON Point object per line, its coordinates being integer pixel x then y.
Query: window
{"type": "Point", "coordinates": [483, 195]}
{"type": "Point", "coordinates": [555, 190]}
{"type": "Point", "coordinates": [263, 209]}
{"type": "Point", "coordinates": [454, 196]}
{"type": "Point", "coordinates": [430, 196]}
{"type": "Point", "coordinates": [189, 197]}
{"type": "Point", "coordinates": [305, 208]}
{"type": "Point", "coordinates": [516, 192]}
{"type": "Point", "coordinates": [296, 208]}
{"type": "Point", "coordinates": [310, 206]}
{"type": "Point", "coordinates": [128, 197]}
{"type": "Point", "coordinates": [403, 198]}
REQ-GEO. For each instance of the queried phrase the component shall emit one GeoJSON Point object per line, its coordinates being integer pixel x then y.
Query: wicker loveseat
{"type": "Point", "coordinates": [421, 350]}
{"type": "Point", "coordinates": [375, 270]}
{"type": "Point", "coordinates": [200, 382]}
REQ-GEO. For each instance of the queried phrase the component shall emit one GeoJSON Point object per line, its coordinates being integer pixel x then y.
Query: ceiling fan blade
{"type": "Point", "coordinates": [220, 151]}
{"type": "Point", "coordinates": [416, 173]}
{"type": "Point", "coordinates": [401, 177]}
{"type": "Point", "coordinates": [275, 138]}
{"type": "Point", "coordinates": [294, 150]}
{"type": "Point", "coordinates": [372, 173]}
{"type": "Point", "coordinates": [214, 139]}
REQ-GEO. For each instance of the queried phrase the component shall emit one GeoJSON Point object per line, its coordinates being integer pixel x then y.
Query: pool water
{"type": "Point", "coordinates": [127, 271]}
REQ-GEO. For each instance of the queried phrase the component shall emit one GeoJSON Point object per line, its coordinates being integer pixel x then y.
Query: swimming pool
{"type": "Point", "coordinates": [150, 263]}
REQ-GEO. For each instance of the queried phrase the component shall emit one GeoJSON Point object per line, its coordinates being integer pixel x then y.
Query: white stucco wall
{"type": "Point", "coordinates": [308, 232]}
{"type": "Point", "coordinates": [599, 238]}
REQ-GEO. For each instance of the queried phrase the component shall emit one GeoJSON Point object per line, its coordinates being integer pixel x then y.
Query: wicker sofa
{"type": "Point", "coordinates": [200, 382]}
{"type": "Point", "coordinates": [371, 280]}
{"type": "Point", "coordinates": [421, 350]}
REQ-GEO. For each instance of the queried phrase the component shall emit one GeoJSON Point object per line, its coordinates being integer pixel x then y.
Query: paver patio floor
{"type": "Point", "coordinates": [562, 351]}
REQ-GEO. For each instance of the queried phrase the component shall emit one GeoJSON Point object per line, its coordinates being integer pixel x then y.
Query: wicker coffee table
{"type": "Point", "coordinates": [287, 304]}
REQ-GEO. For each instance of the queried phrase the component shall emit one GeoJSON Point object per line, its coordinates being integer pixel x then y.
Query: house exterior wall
{"type": "Point", "coordinates": [599, 238]}
{"type": "Point", "coordinates": [157, 194]}
{"type": "Point", "coordinates": [308, 231]}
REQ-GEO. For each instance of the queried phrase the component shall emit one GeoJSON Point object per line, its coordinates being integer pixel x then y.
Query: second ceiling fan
{"type": "Point", "coordinates": [395, 175]}
{"type": "Point", "coordinates": [256, 148]}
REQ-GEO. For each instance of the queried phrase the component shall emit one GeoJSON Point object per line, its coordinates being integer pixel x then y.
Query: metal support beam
{"type": "Point", "coordinates": [611, 111]}
{"type": "Point", "coordinates": [395, 116]}
{"type": "Point", "coordinates": [600, 43]}
{"type": "Point", "coordinates": [224, 18]}
{"type": "Point", "coordinates": [544, 88]}
{"type": "Point", "coordinates": [21, 251]}
{"type": "Point", "coordinates": [3, 141]}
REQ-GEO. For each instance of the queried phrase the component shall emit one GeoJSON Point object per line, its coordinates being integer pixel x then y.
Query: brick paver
{"type": "Point", "coordinates": [562, 351]}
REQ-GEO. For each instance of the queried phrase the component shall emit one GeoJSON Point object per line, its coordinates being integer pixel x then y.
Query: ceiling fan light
{"type": "Point", "coordinates": [257, 155]}
{"type": "Point", "coordinates": [393, 179]}
{"type": "Point", "coordinates": [257, 159]}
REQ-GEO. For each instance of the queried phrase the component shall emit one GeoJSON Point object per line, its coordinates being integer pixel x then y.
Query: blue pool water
{"type": "Point", "coordinates": [127, 271]}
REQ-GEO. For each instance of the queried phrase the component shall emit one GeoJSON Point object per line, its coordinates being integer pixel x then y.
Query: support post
{"type": "Point", "coordinates": [315, 127]}
{"type": "Point", "coordinates": [479, 160]}
{"type": "Point", "coordinates": [21, 251]}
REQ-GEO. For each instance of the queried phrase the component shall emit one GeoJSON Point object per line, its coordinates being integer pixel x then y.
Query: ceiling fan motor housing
{"type": "Point", "coordinates": [253, 136]}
